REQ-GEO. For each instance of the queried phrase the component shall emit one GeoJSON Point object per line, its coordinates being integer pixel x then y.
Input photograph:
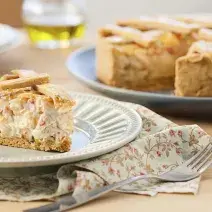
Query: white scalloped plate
{"type": "Point", "coordinates": [9, 38]}
{"type": "Point", "coordinates": [101, 126]}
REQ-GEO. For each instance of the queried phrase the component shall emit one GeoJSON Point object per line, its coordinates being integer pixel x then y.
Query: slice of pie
{"type": "Point", "coordinates": [34, 114]}
{"type": "Point", "coordinates": [194, 71]}
{"type": "Point", "coordinates": [140, 54]}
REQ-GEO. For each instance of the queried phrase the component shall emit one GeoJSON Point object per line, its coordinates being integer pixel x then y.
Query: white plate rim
{"type": "Point", "coordinates": [14, 43]}
{"type": "Point", "coordinates": [62, 158]}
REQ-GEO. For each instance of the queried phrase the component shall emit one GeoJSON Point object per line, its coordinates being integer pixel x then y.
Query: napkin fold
{"type": "Point", "coordinates": [160, 146]}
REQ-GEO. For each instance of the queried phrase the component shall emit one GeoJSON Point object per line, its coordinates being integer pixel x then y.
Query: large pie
{"type": "Point", "coordinates": [140, 54]}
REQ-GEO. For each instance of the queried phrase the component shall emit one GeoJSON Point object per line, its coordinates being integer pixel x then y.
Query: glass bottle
{"type": "Point", "coordinates": [54, 24]}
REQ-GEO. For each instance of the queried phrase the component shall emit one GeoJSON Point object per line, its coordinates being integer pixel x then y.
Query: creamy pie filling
{"type": "Point", "coordinates": [34, 117]}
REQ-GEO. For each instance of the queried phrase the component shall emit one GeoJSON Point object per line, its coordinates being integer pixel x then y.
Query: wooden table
{"type": "Point", "coordinates": [52, 61]}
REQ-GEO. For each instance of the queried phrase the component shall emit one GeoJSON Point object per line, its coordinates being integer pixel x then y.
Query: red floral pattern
{"type": "Point", "coordinates": [160, 147]}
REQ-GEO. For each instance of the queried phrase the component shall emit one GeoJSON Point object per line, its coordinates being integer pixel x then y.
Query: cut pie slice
{"type": "Point", "coordinates": [35, 114]}
{"type": "Point", "coordinates": [194, 71]}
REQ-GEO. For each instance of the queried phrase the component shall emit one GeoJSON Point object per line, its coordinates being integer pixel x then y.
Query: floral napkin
{"type": "Point", "coordinates": [160, 146]}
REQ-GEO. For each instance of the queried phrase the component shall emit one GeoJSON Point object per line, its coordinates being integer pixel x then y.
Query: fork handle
{"type": "Point", "coordinates": [93, 194]}
{"type": "Point", "coordinates": [85, 197]}
{"type": "Point", "coordinates": [69, 202]}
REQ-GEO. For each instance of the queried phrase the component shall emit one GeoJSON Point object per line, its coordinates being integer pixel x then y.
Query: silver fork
{"type": "Point", "coordinates": [191, 169]}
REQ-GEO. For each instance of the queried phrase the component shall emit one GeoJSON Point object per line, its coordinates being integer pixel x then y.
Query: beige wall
{"type": "Point", "coordinates": [101, 12]}
{"type": "Point", "coordinates": [10, 12]}
{"type": "Point", "coordinates": [106, 11]}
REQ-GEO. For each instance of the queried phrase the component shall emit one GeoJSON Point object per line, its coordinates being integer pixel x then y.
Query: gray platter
{"type": "Point", "coordinates": [81, 64]}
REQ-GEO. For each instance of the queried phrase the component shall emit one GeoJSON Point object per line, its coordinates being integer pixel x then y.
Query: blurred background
{"type": "Point", "coordinates": [41, 23]}
{"type": "Point", "coordinates": [105, 11]}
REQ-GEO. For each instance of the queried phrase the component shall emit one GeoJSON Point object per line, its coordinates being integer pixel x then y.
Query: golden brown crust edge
{"type": "Point", "coordinates": [193, 76]}
{"type": "Point", "coordinates": [24, 82]}
{"type": "Point", "coordinates": [42, 146]}
{"type": "Point", "coordinates": [55, 91]}
{"type": "Point", "coordinates": [160, 23]}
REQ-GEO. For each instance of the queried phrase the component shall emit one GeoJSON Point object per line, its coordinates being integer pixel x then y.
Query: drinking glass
{"type": "Point", "coordinates": [54, 24]}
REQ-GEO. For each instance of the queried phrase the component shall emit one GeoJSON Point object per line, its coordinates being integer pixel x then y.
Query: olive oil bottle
{"type": "Point", "coordinates": [55, 24]}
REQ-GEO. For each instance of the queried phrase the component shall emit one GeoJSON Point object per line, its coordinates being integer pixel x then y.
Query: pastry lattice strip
{"type": "Point", "coordinates": [205, 34]}
{"type": "Point", "coordinates": [39, 82]}
{"type": "Point", "coordinates": [202, 20]}
{"type": "Point", "coordinates": [160, 23]}
{"type": "Point", "coordinates": [201, 47]}
{"type": "Point", "coordinates": [130, 34]}
{"type": "Point", "coordinates": [19, 80]}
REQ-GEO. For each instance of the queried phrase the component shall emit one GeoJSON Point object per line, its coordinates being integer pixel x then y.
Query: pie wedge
{"type": "Point", "coordinates": [194, 71]}
{"type": "Point", "coordinates": [34, 114]}
{"type": "Point", "coordinates": [140, 54]}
